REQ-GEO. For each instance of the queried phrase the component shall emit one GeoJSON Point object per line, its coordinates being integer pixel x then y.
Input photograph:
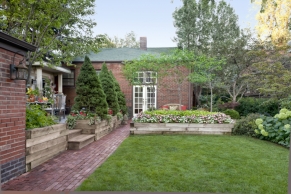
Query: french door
{"type": "Point", "coordinates": [144, 97]}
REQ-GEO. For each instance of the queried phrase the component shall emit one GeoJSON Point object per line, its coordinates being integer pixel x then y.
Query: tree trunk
{"type": "Point", "coordinates": [180, 96]}
{"type": "Point", "coordinates": [197, 93]}
{"type": "Point", "coordinates": [210, 85]}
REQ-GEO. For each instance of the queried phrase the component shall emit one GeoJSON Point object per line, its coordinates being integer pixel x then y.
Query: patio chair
{"type": "Point", "coordinates": [63, 106]}
{"type": "Point", "coordinates": [57, 106]}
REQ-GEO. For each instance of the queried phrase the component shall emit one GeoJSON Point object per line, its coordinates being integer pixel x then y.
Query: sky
{"type": "Point", "coordinates": [153, 18]}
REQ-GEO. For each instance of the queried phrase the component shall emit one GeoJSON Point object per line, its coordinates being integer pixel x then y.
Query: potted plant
{"type": "Point", "coordinates": [32, 94]}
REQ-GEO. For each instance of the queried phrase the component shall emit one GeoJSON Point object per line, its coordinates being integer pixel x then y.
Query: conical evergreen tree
{"type": "Point", "coordinates": [89, 91]}
{"type": "Point", "coordinates": [109, 89]}
{"type": "Point", "coordinates": [120, 96]}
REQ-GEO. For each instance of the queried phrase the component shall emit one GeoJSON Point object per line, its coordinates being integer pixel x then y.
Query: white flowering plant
{"type": "Point", "coordinates": [275, 129]}
{"type": "Point", "coordinates": [182, 117]}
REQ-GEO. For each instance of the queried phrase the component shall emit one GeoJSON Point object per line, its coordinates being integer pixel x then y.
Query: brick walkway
{"type": "Point", "coordinates": [68, 170]}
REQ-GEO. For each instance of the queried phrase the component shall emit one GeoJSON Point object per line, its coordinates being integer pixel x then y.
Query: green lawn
{"type": "Point", "coordinates": [180, 163]}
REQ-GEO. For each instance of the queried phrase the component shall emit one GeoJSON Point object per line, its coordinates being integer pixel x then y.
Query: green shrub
{"type": "Point", "coordinates": [89, 91]}
{"type": "Point", "coordinates": [36, 117]}
{"type": "Point", "coordinates": [120, 96]}
{"type": "Point", "coordinates": [264, 106]}
{"type": "Point", "coordinates": [275, 129]}
{"type": "Point", "coordinates": [269, 107]}
{"type": "Point", "coordinates": [246, 125]}
{"type": "Point", "coordinates": [285, 103]}
{"type": "Point", "coordinates": [232, 113]}
{"type": "Point", "coordinates": [109, 89]}
{"type": "Point", "coordinates": [119, 116]}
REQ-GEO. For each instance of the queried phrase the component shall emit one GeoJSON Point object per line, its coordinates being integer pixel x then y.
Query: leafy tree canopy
{"type": "Point", "coordinates": [205, 26]}
{"type": "Point", "coordinates": [274, 21]}
{"type": "Point", "coordinates": [129, 41]}
{"type": "Point", "coordinates": [61, 29]}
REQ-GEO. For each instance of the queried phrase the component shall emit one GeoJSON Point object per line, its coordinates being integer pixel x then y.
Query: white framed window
{"type": "Point", "coordinates": [69, 78]}
{"type": "Point", "coordinates": [146, 77]}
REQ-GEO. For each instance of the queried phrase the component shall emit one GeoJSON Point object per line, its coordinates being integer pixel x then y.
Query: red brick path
{"type": "Point", "coordinates": [68, 170]}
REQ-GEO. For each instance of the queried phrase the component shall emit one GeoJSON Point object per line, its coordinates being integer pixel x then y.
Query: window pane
{"type": "Point", "coordinates": [69, 78]}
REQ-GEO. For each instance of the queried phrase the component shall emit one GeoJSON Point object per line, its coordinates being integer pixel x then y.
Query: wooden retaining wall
{"type": "Point", "coordinates": [180, 128]}
{"type": "Point", "coordinates": [45, 143]}
{"type": "Point", "coordinates": [101, 129]}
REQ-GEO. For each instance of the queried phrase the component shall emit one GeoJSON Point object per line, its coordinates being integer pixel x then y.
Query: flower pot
{"type": "Point", "coordinates": [31, 98]}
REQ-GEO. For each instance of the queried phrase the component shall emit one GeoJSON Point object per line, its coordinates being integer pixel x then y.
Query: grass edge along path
{"type": "Point", "coordinates": [180, 163]}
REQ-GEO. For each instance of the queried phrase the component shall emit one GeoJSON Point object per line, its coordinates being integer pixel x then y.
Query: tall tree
{"type": "Point", "coordinates": [205, 72]}
{"type": "Point", "coordinates": [129, 41]}
{"type": "Point", "coordinates": [206, 27]}
{"type": "Point", "coordinates": [61, 29]}
{"type": "Point", "coordinates": [89, 91]}
{"type": "Point", "coordinates": [109, 89]}
{"type": "Point", "coordinates": [274, 21]}
{"type": "Point", "coordinates": [243, 53]}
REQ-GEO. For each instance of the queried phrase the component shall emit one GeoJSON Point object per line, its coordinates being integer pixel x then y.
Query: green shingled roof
{"type": "Point", "coordinates": [122, 54]}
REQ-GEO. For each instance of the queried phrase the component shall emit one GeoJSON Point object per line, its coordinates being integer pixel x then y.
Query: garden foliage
{"type": "Point", "coordinates": [164, 116]}
{"type": "Point", "coordinates": [81, 115]}
{"type": "Point", "coordinates": [257, 105]}
{"type": "Point", "coordinates": [120, 96]}
{"type": "Point", "coordinates": [109, 89]}
{"type": "Point", "coordinates": [89, 91]}
{"type": "Point", "coordinates": [36, 117]}
{"type": "Point", "coordinates": [246, 125]}
{"type": "Point", "coordinates": [275, 129]}
{"type": "Point", "coordinates": [232, 113]}
{"type": "Point", "coordinates": [285, 102]}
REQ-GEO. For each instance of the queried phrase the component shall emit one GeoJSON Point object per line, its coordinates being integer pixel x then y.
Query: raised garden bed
{"type": "Point", "coordinates": [45, 143]}
{"type": "Point", "coordinates": [180, 128]}
{"type": "Point", "coordinates": [181, 122]}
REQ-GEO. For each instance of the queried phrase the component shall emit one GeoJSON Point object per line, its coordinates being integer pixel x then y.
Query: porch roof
{"type": "Point", "coordinates": [53, 69]}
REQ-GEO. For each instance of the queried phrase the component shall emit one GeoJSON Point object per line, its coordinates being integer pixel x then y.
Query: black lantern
{"type": "Point", "coordinates": [18, 72]}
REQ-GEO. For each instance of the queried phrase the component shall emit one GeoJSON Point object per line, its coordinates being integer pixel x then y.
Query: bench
{"type": "Point", "coordinates": [173, 106]}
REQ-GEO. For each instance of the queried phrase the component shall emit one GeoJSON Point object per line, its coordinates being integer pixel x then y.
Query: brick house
{"type": "Point", "coordinates": [137, 97]}
{"type": "Point", "coordinates": [12, 108]}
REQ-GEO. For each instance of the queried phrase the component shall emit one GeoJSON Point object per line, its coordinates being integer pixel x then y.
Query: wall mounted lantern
{"type": "Point", "coordinates": [20, 71]}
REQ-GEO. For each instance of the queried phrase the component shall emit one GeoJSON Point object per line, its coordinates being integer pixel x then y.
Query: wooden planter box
{"type": "Point", "coordinates": [44, 143]}
{"type": "Point", "coordinates": [180, 128]}
{"type": "Point", "coordinates": [99, 129]}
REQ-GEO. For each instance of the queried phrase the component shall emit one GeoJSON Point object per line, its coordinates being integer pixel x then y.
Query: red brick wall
{"type": "Point", "coordinates": [12, 119]}
{"type": "Point", "coordinates": [168, 90]}
{"type": "Point", "coordinates": [166, 95]}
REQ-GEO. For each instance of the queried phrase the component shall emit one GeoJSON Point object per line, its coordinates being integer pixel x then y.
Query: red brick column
{"type": "Point", "coordinates": [12, 119]}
